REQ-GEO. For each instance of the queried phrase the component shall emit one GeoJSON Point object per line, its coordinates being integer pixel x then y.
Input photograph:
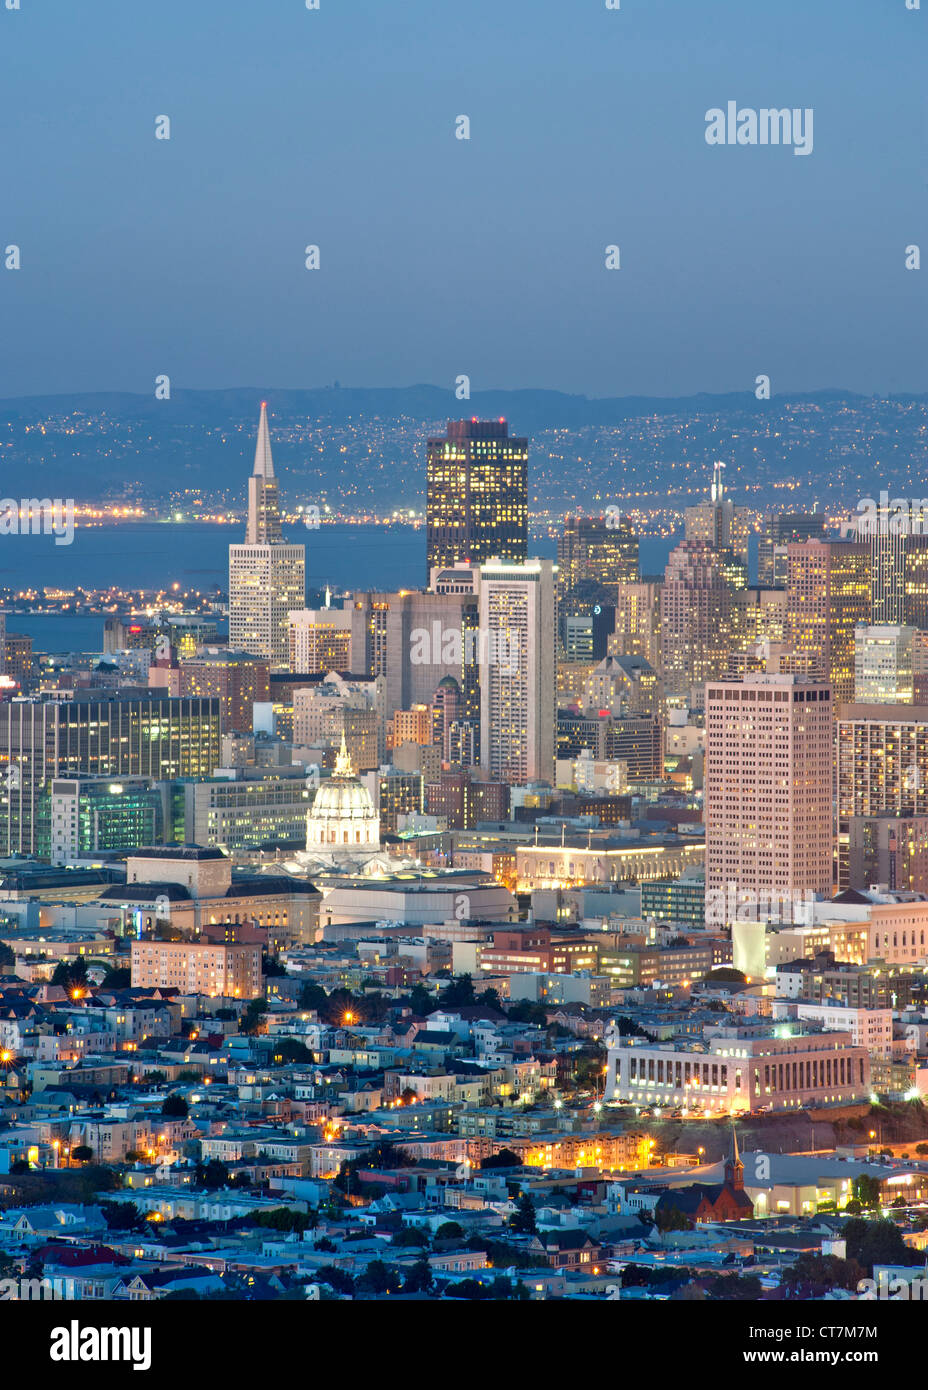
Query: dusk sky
{"type": "Point", "coordinates": [441, 256]}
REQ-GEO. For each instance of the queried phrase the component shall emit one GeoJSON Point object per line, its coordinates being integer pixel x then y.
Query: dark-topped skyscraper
{"type": "Point", "coordinates": [598, 553]}
{"type": "Point", "coordinates": [477, 494]}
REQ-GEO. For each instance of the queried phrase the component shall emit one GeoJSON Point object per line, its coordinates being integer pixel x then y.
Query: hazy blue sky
{"type": "Point", "coordinates": [442, 256]}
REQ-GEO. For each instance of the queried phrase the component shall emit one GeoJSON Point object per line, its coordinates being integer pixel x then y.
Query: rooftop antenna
{"type": "Point", "coordinates": [718, 484]}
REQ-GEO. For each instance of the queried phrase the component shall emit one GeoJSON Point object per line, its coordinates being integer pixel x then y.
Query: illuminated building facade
{"type": "Point", "coordinates": [477, 494]}
{"type": "Point", "coordinates": [235, 678]}
{"type": "Point", "coordinates": [828, 597]}
{"type": "Point", "coordinates": [768, 789]}
{"type": "Point", "coordinates": [267, 579]}
{"type": "Point", "coordinates": [320, 640]}
{"type": "Point", "coordinates": [116, 735]}
{"type": "Point", "coordinates": [697, 604]}
{"type": "Point", "coordinates": [884, 669]}
{"type": "Point", "coordinates": [785, 1068]}
{"type": "Point", "coordinates": [198, 967]}
{"type": "Point", "coordinates": [600, 552]}
{"type": "Point", "coordinates": [92, 815]}
{"type": "Point", "coordinates": [518, 670]}
{"type": "Point", "coordinates": [882, 767]}
{"type": "Point", "coordinates": [779, 530]}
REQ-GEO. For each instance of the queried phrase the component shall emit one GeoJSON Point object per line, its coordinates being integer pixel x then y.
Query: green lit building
{"type": "Point", "coordinates": [675, 900]}
{"type": "Point", "coordinates": [98, 815]}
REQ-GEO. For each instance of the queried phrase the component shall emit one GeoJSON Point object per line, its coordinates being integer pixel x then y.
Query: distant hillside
{"type": "Point", "coordinates": [365, 447]}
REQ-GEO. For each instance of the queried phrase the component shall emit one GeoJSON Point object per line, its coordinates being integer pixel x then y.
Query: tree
{"type": "Point", "coordinates": [878, 1242]}
{"type": "Point", "coordinates": [213, 1174]}
{"type": "Point", "coordinates": [588, 1065]}
{"type": "Point", "coordinates": [82, 1153]}
{"type": "Point", "coordinates": [117, 977]}
{"type": "Point", "coordinates": [71, 974]}
{"type": "Point", "coordinates": [734, 1287]}
{"type": "Point", "coordinates": [811, 1275]}
{"type": "Point", "coordinates": [420, 1001]}
{"type": "Point", "coordinates": [379, 1278]}
{"type": "Point", "coordinates": [522, 1220]}
{"type": "Point", "coordinates": [384, 1156]}
{"type": "Point", "coordinates": [175, 1107]}
{"type": "Point", "coordinates": [672, 1219]}
{"type": "Point", "coordinates": [282, 1219]}
{"type": "Point", "coordinates": [867, 1191]}
{"type": "Point", "coordinates": [313, 998]}
{"type": "Point", "coordinates": [524, 1011]}
{"type": "Point", "coordinates": [121, 1216]}
{"type": "Point", "coordinates": [336, 1278]}
{"type": "Point", "coordinates": [503, 1158]}
{"type": "Point", "coordinates": [408, 1096]}
{"type": "Point", "coordinates": [449, 1230]}
{"type": "Point", "coordinates": [419, 1277]}
{"type": "Point", "coordinates": [253, 1016]}
{"type": "Point", "coordinates": [410, 1235]}
{"type": "Point", "coordinates": [459, 993]}
{"type": "Point", "coordinates": [271, 967]}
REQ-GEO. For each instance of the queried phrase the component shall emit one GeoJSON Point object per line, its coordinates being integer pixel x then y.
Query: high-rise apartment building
{"type": "Point", "coordinates": [213, 968]}
{"type": "Point", "coordinates": [720, 523]}
{"type": "Point", "coordinates": [414, 639]}
{"type": "Point", "coordinates": [884, 665]}
{"type": "Point", "coordinates": [638, 621]}
{"type": "Point", "coordinates": [413, 725]}
{"type": "Point", "coordinates": [596, 554]}
{"type": "Point", "coordinates": [828, 596]}
{"type": "Point", "coordinates": [235, 678]}
{"type": "Point", "coordinates": [881, 766]}
{"type": "Point", "coordinates": [898, 564]}
{"type": "Point", "coordinates": [768, 793]}
{"type": "Point", "coordinates": [477, 494]}
{"type": "Point", "coordinates": [779, 530]}
{"type": "Point", "coordinates": [267, 579]}
{"type": "Point", "coordinates": [697, 603]}
{"type": "Point", "coordinates": [518, 670]}
{"type": "Point", "coordinates": [320, 640]}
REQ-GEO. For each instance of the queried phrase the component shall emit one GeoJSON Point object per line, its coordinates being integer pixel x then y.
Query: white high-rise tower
{"type": "Point", "coordinates": [267, 578]}
{"type": "Point", "coordinates": [518, 670]}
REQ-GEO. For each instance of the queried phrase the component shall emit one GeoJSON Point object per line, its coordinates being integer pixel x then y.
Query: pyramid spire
{"type": "Point", "coordinates": [264, 464]}
{"type": "Point", "coordinates": [263, 526]}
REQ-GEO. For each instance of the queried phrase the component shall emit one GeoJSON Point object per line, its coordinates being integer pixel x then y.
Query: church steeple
{"type": "Point", "coordinates": [734, 1168]}
{"type": "Point", "coordinates": [263, 509]}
